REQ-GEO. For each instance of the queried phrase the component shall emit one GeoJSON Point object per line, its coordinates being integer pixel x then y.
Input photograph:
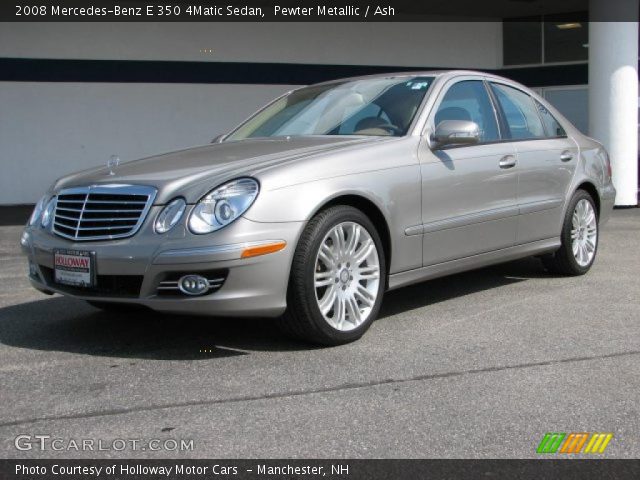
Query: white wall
{"type": "Point", "coordinates": [475, 44]}
{"type": "Point", "coordinates": [51, 129]}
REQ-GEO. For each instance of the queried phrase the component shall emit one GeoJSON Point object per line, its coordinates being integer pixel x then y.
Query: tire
{"type": "Point", "coordinates": [581, 211]}
{"type": "Point", "coordinates": [350, 281]}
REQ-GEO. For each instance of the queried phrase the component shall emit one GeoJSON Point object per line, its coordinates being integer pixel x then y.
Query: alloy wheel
{"type": "Point", "coordinates": [584, 232]}
{"type": "Point", "coordinates": [347, 276]}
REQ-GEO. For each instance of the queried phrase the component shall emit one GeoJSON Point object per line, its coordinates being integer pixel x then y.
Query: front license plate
{"type": "Point", "coordinates": [74, 267]}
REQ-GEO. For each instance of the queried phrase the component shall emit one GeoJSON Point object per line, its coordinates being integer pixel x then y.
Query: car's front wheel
{"type": "Point", "coordinates": [337, 278]}
{"type": "Point", "coordinates": [579, 238]}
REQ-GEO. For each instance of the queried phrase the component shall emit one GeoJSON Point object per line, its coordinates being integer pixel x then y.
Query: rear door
{"type": "Point", "coordinates": [546, 157]}
{"type": "Point", "coordinates": [469, 203]}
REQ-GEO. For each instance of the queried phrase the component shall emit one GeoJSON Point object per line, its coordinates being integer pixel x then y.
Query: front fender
{"type": "Point", "coordinates": [394, 191]}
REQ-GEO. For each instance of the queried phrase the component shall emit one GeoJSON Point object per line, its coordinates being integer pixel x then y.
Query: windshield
{"type": "Point", "coordinates": [374, 106]}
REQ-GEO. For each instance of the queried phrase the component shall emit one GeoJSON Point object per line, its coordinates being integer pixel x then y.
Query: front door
{"type": "Point", "coordinates": [469, 203]}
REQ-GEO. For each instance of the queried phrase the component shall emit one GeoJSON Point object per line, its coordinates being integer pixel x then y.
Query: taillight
{"type": "Point", "coordinates": [608, 164]}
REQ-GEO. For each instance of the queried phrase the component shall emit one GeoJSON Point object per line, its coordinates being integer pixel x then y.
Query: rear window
{"type": "Point", "coordinates": [551, 125]}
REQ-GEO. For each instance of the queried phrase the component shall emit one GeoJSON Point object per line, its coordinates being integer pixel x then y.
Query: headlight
{"type": "Point", "coordinates": [37, 211]}
{"type": "Point", "coordinates": [170, 215]}
{"type": "Point", "coordinates": [47, 215]}
{"type": "Point", "coordinates": [223, 205]}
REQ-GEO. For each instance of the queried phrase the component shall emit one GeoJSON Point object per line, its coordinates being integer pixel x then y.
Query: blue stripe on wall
{"type": "Point", "coordinates": [144, 71]}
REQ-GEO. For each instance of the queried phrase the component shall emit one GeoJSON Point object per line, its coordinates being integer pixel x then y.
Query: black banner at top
{"type": "Point", "coordinates": [291, 10]}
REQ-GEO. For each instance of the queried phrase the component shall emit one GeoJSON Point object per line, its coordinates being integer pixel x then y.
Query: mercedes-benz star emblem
{"type": "Point", "coordinates": [113, 162]}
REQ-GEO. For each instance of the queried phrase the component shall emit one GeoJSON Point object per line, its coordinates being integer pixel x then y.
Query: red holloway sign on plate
{"type": "Point", "coordinates": [73, 267]}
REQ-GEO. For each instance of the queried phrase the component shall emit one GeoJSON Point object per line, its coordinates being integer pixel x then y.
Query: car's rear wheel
{"type": "Point", "coordinates": [337, 278]}
{"type": "Point", "coordinates": [579, 238]}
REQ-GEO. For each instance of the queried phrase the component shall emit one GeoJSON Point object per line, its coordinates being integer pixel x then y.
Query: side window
{"type": "Point", "coordinates": [551, 125]}
{"type": "Point", "coordinates": [469, 100]}
{"type": "Point", "coordinates": [520, 112]}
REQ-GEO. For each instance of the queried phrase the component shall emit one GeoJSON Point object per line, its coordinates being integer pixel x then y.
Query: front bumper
{"type": "Point", "coordinates": [131, 270]}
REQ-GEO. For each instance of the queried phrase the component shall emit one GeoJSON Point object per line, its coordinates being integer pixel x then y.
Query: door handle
{"type": "Point", "coordinates": [566, 156]}
{"type": "Point", "coordinates": [508, 161]}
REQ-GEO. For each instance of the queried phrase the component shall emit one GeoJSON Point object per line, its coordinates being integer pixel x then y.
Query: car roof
{"type": "Point", "coordinates": [423, 73]}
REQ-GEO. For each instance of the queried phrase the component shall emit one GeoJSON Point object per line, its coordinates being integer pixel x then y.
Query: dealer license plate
{"type": "Point", "coordinates": [74, 267]}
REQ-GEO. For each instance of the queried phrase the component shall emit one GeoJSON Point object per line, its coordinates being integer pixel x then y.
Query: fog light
{"type": "Point", "coordinates": [24, 240]}
{"type": "Point", "coordinates": [33, 270]}
{"type": "Point", "coordinates": [193, 285]}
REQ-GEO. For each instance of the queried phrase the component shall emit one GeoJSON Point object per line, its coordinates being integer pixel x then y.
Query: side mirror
{"type": "Point", "coordinates": [218, 138]}
{"type": "Point", "coordinates": [455, 132]}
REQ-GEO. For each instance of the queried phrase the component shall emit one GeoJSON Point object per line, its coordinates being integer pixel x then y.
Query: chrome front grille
{"type": "Point", "coordinates": [101, 212]}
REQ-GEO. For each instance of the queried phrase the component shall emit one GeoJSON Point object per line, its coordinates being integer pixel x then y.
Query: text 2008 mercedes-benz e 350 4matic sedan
{"type": "Point", "coordinates": [327, 197]}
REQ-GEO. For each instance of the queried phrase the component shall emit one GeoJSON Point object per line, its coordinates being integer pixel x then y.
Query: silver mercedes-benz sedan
{"type": "Point", "coordinates": [329, 196]}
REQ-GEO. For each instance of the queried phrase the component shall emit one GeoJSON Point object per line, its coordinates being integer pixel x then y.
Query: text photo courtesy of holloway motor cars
{"type": "Point", "coordinates": [344, 240]}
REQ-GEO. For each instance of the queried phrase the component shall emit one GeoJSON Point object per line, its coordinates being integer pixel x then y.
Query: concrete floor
{"type": "Point", "coordinates": [480, 364]}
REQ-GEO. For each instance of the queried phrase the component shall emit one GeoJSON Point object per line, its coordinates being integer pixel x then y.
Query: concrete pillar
{"type": "Point", "coordinates": [613, 91]}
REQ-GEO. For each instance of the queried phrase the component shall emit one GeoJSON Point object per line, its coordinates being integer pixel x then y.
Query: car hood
{"type": "Point", "coordinates": [194, 171]}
